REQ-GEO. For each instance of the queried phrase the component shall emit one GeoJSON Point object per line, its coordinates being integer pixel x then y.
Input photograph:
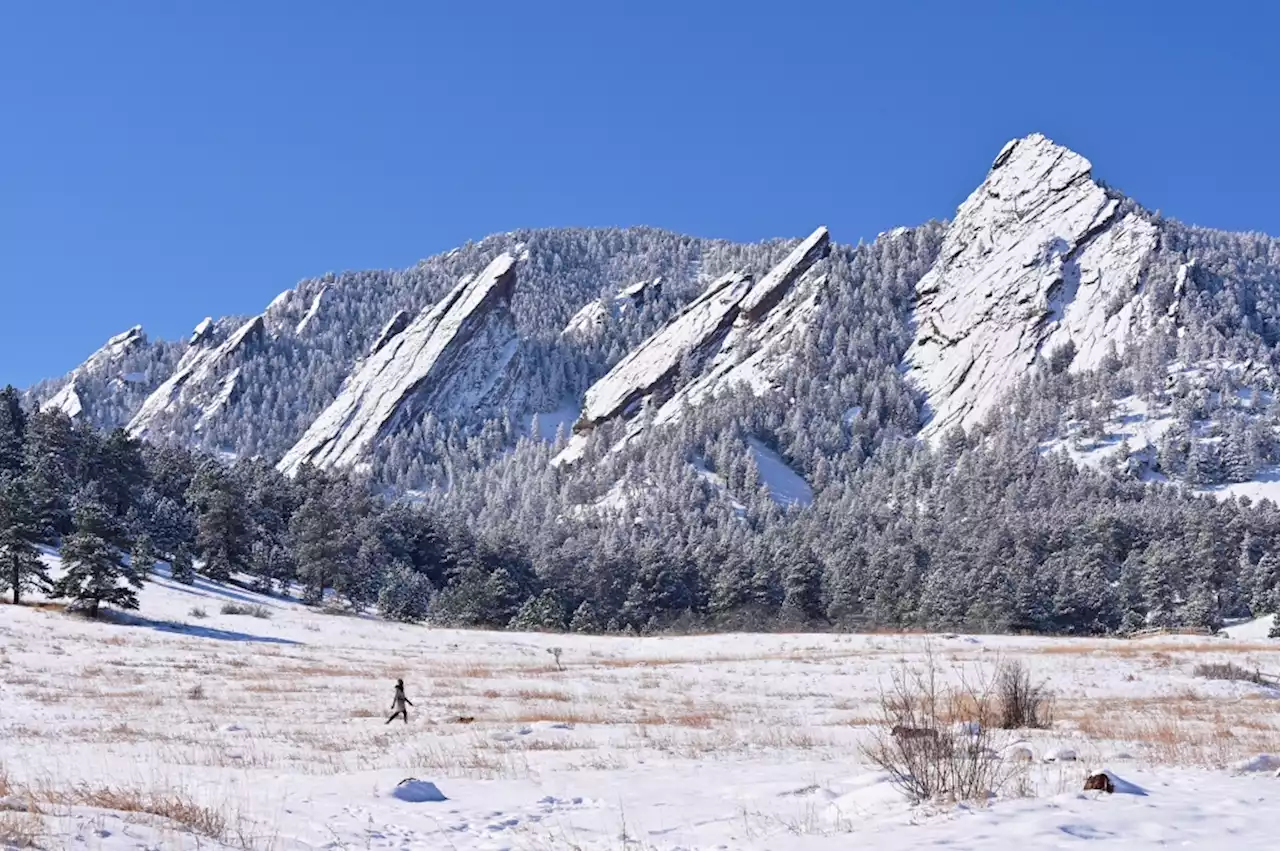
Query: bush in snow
{"type": "Point", "coordinates": [1022, 703]}
{"type": "Point", "coordinates": [252, 610]}
{"type": "Point", "coordinates": [585, 619]}
{"type": "Point", "coordinates": [926, 755]}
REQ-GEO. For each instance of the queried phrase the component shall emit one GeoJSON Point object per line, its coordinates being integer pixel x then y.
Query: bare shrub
{"type": "Point", "coordinates": [926, 753]}
{"type": "Point", "coordinates": [198, 612]}
{"type": "Point", "coordinates": [1229, 671]}
{"type": "Point", "coordinates": [20, 829]}
{"type": "Point", "coordinates": [1022, 703]}
{"type": "Point", "coordinates": [196, 692]}
{"type": "Point", "coordinates": [253, 610]}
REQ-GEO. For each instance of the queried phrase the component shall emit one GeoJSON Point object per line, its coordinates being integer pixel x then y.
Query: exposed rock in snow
{"type": "Point", "coordinates": [770, 289]}
{"type": "Point", "coordinates": [66, 400]}
{"type": "Point", "coordinates": [593, 317]}
{"type": "Point", "coordinates": [589, 319]}
{"type": "Point", "coordinates": [394, 326]}
{"type": "Point", "coordinates": [700, 326]}
{"type": "Point", "coordinates": [199, 380]}
{"type": "Point", "coordinates": [106, 362]}
{"type": "Point", "coordinates": [225, 394]}
{"type": "Point", "coordinates": [311, 311]}
{"type": "Point", "coordinates": [720, 336]}
{"type": "Point", "coordinates": [115, 349]}
{"type": "Point", "coordinates": [202, 331]}
{"type": "Point", "coordinates": [1039, 256]}
{"type": "Point", "coordinates": [448, 359]}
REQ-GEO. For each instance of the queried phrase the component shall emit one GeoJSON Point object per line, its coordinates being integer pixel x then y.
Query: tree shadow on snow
{"type": "Point", "coordinates": [192, 630]}
{"type": "Point", "coordinates": [205, 588]}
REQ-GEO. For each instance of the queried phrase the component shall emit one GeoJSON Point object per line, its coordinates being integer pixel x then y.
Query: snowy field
{"type": "Point", "coordinates": [173, 730]}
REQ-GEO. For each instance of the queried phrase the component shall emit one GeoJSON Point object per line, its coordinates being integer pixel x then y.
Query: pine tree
{"type": "Point", "coordinates": [585, 620]}
{"type": "Point", "coordinates": [54, 452]}
{"type": "Point", "coordinates": [13, 431]}
{"type": "Point", "coordinates": [543, 612]}
{"type": "Point", "coordinates": [405, 595]}
{"type": "Point", "coordinates": [802, 589]}
{"type": "Point", "coordinates": [142, 557]}
{"type": "Point", "coordinates": [319, 546]}
{"type": "Point", "coordinates": [95, 572]}
{"type": "Point", "coordinates": [21, 568]}
{"type": "Point", "coordinates": [183, 567]}
{"type": "Point", "coordinates": [222, 530]}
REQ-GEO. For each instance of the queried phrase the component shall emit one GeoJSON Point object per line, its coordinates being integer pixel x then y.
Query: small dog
{"type": "Point", "coordinates": [1099, 783]}
{"type": "Point", "coordinates": [901, 732]}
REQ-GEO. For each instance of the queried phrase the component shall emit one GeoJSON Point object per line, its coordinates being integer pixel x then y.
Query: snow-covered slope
{"type": "Point", "coordinates": [1038, 257]}
{"type": "Point", "coordinates": [269, 732]}
{"type": "Point", "coordinates": [204, 380]}
{"type": "Point", "coordinates": [447, 360]}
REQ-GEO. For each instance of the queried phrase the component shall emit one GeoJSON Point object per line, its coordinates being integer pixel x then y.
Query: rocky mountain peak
{"type": "Point", "coordinates": [1038, 257]}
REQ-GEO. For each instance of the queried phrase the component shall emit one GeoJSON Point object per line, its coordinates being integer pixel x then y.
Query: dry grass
{"type": "Point", "coordinates": [21, 829]}
{"type": "Point", "coordinates": [173, 807]}
{"type": "Point", "coordinates": [1185, 728]}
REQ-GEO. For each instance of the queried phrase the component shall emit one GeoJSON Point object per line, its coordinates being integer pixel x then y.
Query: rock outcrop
{"type": "Point", "coordinates": [593, 318]}
{"type": "Point", "coordinates": [446, 361]}
{"type": "Point", "coordinates": [204, 379]}
{"type": "Point", "coordinates": [1038, 257]}
{"type": "Point", "coordinates": [709, 339]}
{"type": "Point", "coordinates": [106, 363]}
{"type": "Point", "coordinates": [394, 326]}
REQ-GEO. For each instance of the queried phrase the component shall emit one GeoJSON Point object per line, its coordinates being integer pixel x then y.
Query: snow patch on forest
{"type": "Point", "coordinates": [786, 486]}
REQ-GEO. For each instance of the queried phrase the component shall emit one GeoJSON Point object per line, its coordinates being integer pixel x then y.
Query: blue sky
{"type": "Point", "coordinates": [163, 161]}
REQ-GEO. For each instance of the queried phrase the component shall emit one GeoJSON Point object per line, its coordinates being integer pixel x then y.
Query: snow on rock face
{"type": "Point", "coordinates": [593, 317]}
{"type": "Point", "coordinates": [1039, 256]}
{"type": "Point", "coordinates": [732, 316]}
{"type": "Point", "coordinates": [447, 360]}
{"type": "Point", "coordinates": [770, 289]}
{"type": "Point", "coordinates": [201, 380]}
{"type": "Point", "coordinates": [201, 332]}
{"type": "Point", "coordinates": [311, 311]}
{"type": "Point", "coordinates": [656, 361]}
{"type": "Point", "coordinates": [105, 362]}
{"type": "Point", "coordinates": [66, 400]}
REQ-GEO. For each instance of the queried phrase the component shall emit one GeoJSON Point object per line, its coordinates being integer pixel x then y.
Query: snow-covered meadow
{"type": "Point", "coordinates": [270, 733]}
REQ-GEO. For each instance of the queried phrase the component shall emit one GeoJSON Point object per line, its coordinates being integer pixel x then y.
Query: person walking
{"type": "Point", "coordinates": [398, 704]}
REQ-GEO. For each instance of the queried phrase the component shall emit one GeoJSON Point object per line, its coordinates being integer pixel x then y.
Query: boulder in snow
{"type": "Point", "coordinates": [414, 791]}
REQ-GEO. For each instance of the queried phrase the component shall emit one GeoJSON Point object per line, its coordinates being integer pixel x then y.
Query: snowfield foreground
{"type": "Point", "coordinates": [171, 730]}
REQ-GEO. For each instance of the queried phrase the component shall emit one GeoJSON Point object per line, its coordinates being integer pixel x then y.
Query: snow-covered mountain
{"type": "Point", "coordinates": [653, 344]}
{"type": "Point", "coordinates": [1039, 258]}
{"type": "Point", "coordinates": [448, 361]}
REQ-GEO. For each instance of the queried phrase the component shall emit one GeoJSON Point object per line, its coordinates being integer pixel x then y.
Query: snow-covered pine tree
{"type": "Point", "coordinates": [13, 431]}
{"type": "Point", "coordinates": [405, 595]}
{"type": "Point", "coordinates": [94, 570]}
{"type": "Point", "coordinates": [21, 568]}
{"type": "Point", "coordinates": [184, 569]}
